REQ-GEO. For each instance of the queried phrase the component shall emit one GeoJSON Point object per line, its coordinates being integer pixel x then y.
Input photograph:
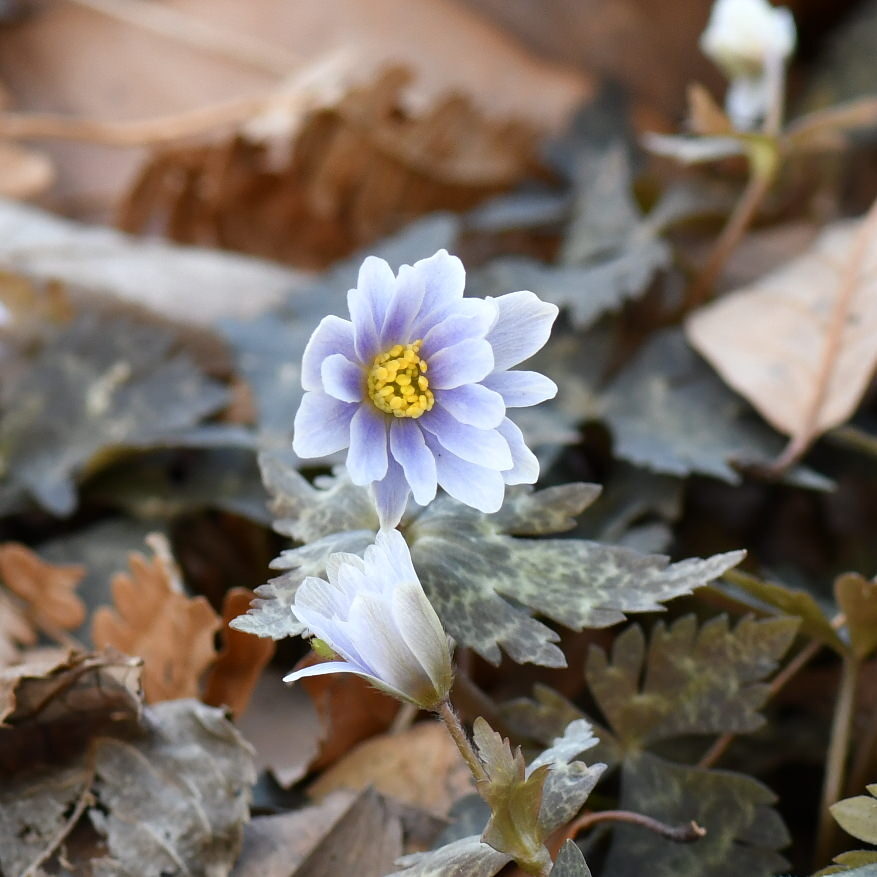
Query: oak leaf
{"type": "Point", "coordinates": [153, 619]}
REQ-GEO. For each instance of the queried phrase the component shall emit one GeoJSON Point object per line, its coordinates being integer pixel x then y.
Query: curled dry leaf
{"type": "Point", "coordinates": [156, 621]}
{"type": "Point", "coordinates": [349, 174]}
{"type": "Point", "coordinates": [241, 661]}
{"type": "Point", "coordinates": [801, 344]}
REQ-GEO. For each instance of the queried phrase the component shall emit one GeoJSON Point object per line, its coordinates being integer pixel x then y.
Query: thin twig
{"type": "Point", "coordinates": [194, 32]}
{"type": "Point", "coordinates": [682, 834]}
{"type": "Point", "coordinates": [839, 317]}
{"type": "Point", "coordinates": [838, 747]}
{"type": "Point", "coordinates": [458, 733]}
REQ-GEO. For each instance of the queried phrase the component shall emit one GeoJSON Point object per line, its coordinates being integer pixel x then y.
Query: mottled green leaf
{"type": "Point", "coordinates": [95, 386]}
{"type": "Point", "coordinates": [692, 680]}
{"type": "Point", "coordinates": [857, 598]}
{"type": "Point", "coordinates": [484, 582]}
{"type": "Point", "coordinates": [858, 816]}
{"type": "Point", "coordinates": [467, 856]}
{"type": "Point", "coordinates": [610, 253]}
{"type": "Point", "coordinates": [570, 862]}
{"type": "Point", "coordinates": [743, 832]}
{"type": "Point", "coordinates": [791, 601]}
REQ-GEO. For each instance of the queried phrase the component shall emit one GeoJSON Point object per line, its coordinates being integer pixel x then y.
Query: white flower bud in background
{"type": "Point", "coordinates": [750, 40]}
{"type": "Point", "coordinates": [374, 615]}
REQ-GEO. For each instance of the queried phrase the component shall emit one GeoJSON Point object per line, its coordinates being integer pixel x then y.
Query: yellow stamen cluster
{"type": "Point", "coordinates": [397, 381]}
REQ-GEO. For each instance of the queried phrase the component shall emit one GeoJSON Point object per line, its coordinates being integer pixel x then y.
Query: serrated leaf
{"type": "Point", "coordinates": [610, 253]}
{"type": "Point", "coordinates": [95, 386]}
{"type": "Point", "coordinates": [570, 862]}
{"type": "Point", "coordinates": [792, 601]}
{"type": "Point", "coordinates": [515, 797]}
{"type": "Point", "coordinates": [484, 582]}
{"type": "Point", "coordinates": [566, 789]}
{"type": "Point", "coordinates": [743, 832]}
{"type": "Point", "coordinates": [857, 598]}
{"type": "Point", "coordinates": [858, 816]}
{"type": "Point", "coordinates": [696, 680]}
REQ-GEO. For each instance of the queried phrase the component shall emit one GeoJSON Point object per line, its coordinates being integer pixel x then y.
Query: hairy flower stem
{"type": "Point", "coordinates": [677, 833]}
{"type": "Point", "coordinates": [837, 756]}
{"type": "Point", "coordinates": [459, 736]}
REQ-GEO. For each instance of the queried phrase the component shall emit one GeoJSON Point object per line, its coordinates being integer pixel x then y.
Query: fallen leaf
{"type": "Point", "coordinates": [24, 172]}
{"type": "Point", "coordinates": [801, 344]}
{"type": "Point", "coordinates": [350, 710]}
{"type": "Point", "coordinates": [47, 590]}
{"type": "Point", "coordinates": [239, 665]}
{"type": "Point", "coordinates": [354, 170]}
{"type": "Point", "coordinates": [15, 631]}
{"type": "Point", "coordinates": [153, 619]}
{"type": "Point", "coordinates": [421, 767]}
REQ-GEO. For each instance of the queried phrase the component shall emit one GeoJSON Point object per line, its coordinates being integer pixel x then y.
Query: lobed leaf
{"type": "Point", "coordinates": [743, 832]}
{"type": "Point", "coordinates": [570, 862]}
{"type": "Point", "coordinates": [694, 680]}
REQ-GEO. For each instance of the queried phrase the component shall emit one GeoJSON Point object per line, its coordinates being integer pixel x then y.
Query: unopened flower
{"type": "Point", "coordinates": [373, 614]}
{"type": "Point", "coordinates": [417, 382]}
{"type": "Point", "coordinates": [751, 40]}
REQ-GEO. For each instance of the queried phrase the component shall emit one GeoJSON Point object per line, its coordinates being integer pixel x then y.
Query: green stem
{"type": "Point", "coordinates": [837, 756]}
{"type": "Point", "coordinates": [459, 736]}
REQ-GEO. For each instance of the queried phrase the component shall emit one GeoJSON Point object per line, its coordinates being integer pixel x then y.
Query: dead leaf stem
{"type": "Point", "coordinates": [839, 317]}
{"type": "Point", "coordinates": [176, 25]}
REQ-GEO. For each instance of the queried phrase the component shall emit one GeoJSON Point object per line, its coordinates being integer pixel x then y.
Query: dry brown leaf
{"type": "Point", "coordinates": [801, 343]}
{"type": "Point", "coordinates": [240, 663]}
{"type": "Point", "coordinates": [24, 173]}
{"type": "Point", "coordinates": [353, 172]}
{"type": "Point", "coordinates": [421, 767]}
{"type": "Point", "coordinates": [45, 589]}
{"type": "Point", "coordinates": [449, 47]}
{"type": "Point", "coordinates": [15, 631]}
{"type": "Point", "coordinates": [350, 710]}
{"type": "Point", "coordinates": [154, 620]}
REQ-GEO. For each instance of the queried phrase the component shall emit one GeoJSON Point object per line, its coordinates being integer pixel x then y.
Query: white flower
{"type": "Point", "coordinates": [374, 614]}
{"type": "Point", "coordinates": [751, 41]}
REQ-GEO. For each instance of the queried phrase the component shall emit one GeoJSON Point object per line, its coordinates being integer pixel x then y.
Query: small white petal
{"type": "Point", "coordinates": [408, 447]}
{"type": "Point", "coordinates": [342, 378]}
{"type": "Point", "coordinates": [333, 335]}
{"type": "Point", "coordinates": [391, 495]}
{"type": "Point", "coordinates": [466, 362]}
{"type": "Point", "coordinates": [473, 404]}
{"type": "Point", "coordinates": [523, 327]}
{"type": "Point", "coordinates": [475, 486]}
{"type": "Point", "coordinates": [483, 447]}
{"type": "Point", "coordinates": [526, 466]}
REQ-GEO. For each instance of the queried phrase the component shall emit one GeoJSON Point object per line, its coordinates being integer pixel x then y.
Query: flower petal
{"type": "Point", "coordinates": [526, 467]}
{"type": "Point", "coordinates": [343, 667]}
{"type": "Point", "coordinates": [333, 335]}
{"type": "Point", "coordinates": [457, 327]}
{"type": "Point", "coordinates": [368, 305]}
{"type": "Point", "coordinates": [342, 378]}
{"type": "Point", "coordinates": [403, 308]}
{"type": "Point", "coordinates": [473, 404]}
{"type": "Point", "coordinates": [423, 633]}
{"type": "Point", "coordinates": [367, 457]}
{"type": "Point", "coordinates": [444, 279]}
{"type": "Point", "coordinates": [322, 425]}
{"type": "Point", "coordinates": [391, 495]}
{"type": "Point", "coordinates": [390, 552]}
{"type": "Point", "coordinates": [467, 362]}
{"type": "Point", "coordinates": [475, 486]}
{"type": "Point", "coordinates": [409, 448]}
{"type": "Point", "coordinates": [520, 389]}
{"type": "Point", "coordinates": [523, 327]}
{"type": "Point", "coordinates": [483, 447]}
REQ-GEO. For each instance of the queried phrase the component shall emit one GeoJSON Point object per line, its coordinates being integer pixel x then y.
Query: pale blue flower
{"type": "Point", "coordinates": [374, 614]}
{"type": "Point", "coordinates": [416, 385]}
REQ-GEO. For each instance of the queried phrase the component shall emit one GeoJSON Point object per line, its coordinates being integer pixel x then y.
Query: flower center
{"type": "Point", "coordinates": [397, 381]}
